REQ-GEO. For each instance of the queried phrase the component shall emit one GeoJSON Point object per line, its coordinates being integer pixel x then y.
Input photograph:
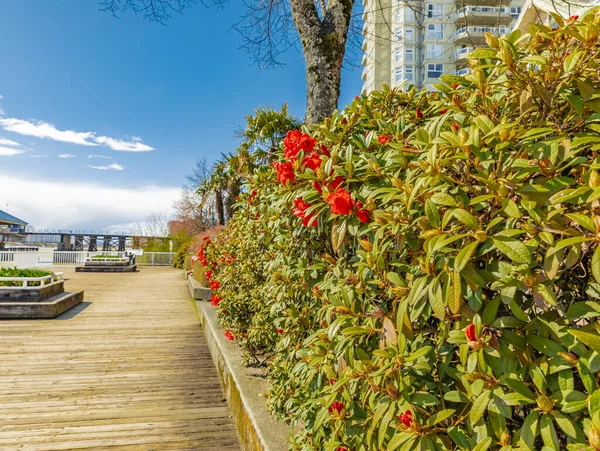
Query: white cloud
{"type": "Point", "coordinates": [8, 142]}
{"type": "Point", "coordinates": [37, 156]}
{"type": "Point", "coordinates": [66, 155]}
{"type": "Point", "coordinates": [1, 110]}
{"type": "Point", "coordinates": [117, 144]}
{"type": "Point", "coordinates": [10, 152]}
{"type": "Point", "coordinates": [81, 205]}
{"type": "Point", "coordinates": [45, 130]}
{"type": "Point", "coordinates": [100, 156]}
{"type": "Point", "coordinates": [109, 167]}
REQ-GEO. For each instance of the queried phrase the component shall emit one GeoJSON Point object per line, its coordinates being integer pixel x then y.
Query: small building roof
{"type": "Point", "coordinates": [6, 218]}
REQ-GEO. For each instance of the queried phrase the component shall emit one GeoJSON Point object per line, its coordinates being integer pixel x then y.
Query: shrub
{"type": "Point", "coordinates": [179, 261]}
{"type": "Point", "coordinates": [424, 268]}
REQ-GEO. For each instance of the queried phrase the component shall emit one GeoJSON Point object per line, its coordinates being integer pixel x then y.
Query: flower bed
{"type": "Point", "coordinates": [422, 271]}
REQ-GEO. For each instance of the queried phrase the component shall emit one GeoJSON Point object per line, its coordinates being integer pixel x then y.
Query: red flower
{"type": "Point", "coordinates": [341, 202]}
{"type": "Point", "coordinates": [356, 97]}
{"type": "Point", "coordinates": [215, 299]}
{"type": "Point", "coordinates": [313, 160]}
{"type": "Point", "coordinates": [229, 335]}
{"type": "Point", "coordinates": [300, 211]}
{"type": "Point", "coordinates": [252, 196]}
{"type": "Point", "coordinates": [279, 331]}
{"type": "Point", "coordinates": [455, 86]}
{"type": "Point", "coordinates": [324, 150]}
{"type": "Point", "coordinates": [455, 126]}
{"type": "Point", "coordinates": [331, 186]}
{"type": "Point", "coordinates": [572, 18]}
{"type": "Point", "coordinates": [406, 418]}
{"type": "Point", "coordinates": [341, 448]}
{"type": "Point", "coordinates": [215, 285]}
{"type": "Point", "coordinates": [383, 139]}
{"type": "Point", "coordinates": [344, 121]}
{"type": "Point", "coordinates": [285, 173]}
{"type": "Point", "coordinates": [295, 141]}
{"type": "Point", "coordinates": [301, 207]}
{"type": "Point", "coordinates": [208, 274]}
{"type": "Point", "coordinates": [419, 113]}
{"type": "Point", "coordinates": [362, 213]}
{"type": "Point", "coordinates": [337, 407]}
{"type": "Point", "coordinates": [310, 220]}
{"type": "Point", "coordinates": [470, 332]}
{"type": "Point", "coordinates": [332, 381]}
{"type": "Point", "coordinates": [444, 111]}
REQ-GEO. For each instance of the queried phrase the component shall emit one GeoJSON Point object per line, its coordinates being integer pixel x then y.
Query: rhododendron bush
{"type": "Point", "coordinates": [422, 270]}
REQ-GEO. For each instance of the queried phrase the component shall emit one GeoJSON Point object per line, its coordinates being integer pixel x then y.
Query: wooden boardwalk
{"type": "Point", "coordinates": [130, 370]}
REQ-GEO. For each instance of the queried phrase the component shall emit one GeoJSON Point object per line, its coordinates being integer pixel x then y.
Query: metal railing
{"type": "Point", "coordinates": [43, 281]}
{"type": "Point", "coordinates": [74, 258]}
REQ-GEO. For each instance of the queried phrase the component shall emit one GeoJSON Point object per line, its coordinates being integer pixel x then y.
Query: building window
{"type": "Point", "coordinates": [435, 31]}
{"type": "Point", "coordinates": [398, 74]}
{"type": "Point", "coordinates": [399, 35]}
{"type": "Point", "coordinates": [435, 70]}
{"type": "Point", "coordinates": [435, 51]}
{"type": "Point", "coordinates": [435, 10]}
{"type": "Point", "coordinates": [398, 16]}
{"type": "Point", "coordinates": [398, 54]}
{"type": "Point", "coordinates": [515, 11]}
{"type": "Point", "coordinates": [409, 73]}
{"type": "Point", "coordinates": [410, 33]}
{"type": "Point", "coordinates": [409, 53]}
{"type": "Point", "coordinates": [503, 29]}
{"type": "Point", "coordinates": [409, 14]}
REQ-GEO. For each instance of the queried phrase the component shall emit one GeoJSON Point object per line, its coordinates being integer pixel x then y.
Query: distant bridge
{"type": "Point", "coordinates": [88, 240]}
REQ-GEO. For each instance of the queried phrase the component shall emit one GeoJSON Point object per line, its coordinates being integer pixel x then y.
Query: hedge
{"type": "Point", "coordinates": [422, 270]}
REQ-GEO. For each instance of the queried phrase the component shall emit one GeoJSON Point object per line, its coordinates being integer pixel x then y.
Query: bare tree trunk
{"type": "Point", "coordinates": [219, 207]}
{"type": "Point", "coordinates": [233, 191]}
{"type": "Point", "coordinates": [324, 45]}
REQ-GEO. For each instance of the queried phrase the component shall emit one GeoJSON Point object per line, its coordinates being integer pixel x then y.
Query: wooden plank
{"type": "Point", "coordinates": [127, 369]}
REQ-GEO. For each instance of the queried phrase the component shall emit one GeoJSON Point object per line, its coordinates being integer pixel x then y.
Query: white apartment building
{"type": "Point", "coordinates": [414, 42]}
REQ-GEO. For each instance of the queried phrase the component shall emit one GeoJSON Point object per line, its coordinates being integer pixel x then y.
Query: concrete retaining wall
{"type": "Point", "coordinates": [244, 390]}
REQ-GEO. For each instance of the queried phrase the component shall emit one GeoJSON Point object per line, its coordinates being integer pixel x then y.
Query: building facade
{"type": "Point", "coordinates": [408, 42]}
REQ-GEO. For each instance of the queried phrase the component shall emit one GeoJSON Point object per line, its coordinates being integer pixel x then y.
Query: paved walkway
{"type": "Point", "coordinates": [128, 369]}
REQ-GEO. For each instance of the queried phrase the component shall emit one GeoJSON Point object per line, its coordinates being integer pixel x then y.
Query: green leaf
{"type": "Point", "coordinates": [513, 249]}
{"type": "Point", "coordinates": [529, 430]}
{"type": "Point", "coordinates": [466, 218]}
{"type": "Point", "coordinates": [591, 340]}
{"type": "Point", "coordinates": [321, 417]}
{"type": "Point", "coordinates": [338, 234]}
{"type": "Point", "coordinates": [479, 406]}
{"type": "Point", "coordinates": [395, 279]}
{"type": "Point", "coordinates": [359, 330]}
{"type": "Point", "coordinates": [432, 213]}
{"type": "Point", "coordinates": [596, 264]}
{"type": "Point", "coordinates": [399, 439]}
{"type": "Point", "coordinates": [443, 199]}
{"type": "Point", "coordinates": [548, 432]}
{"type": "Point", "coordinates": [440, 416]}
{"type": "Point", "coordinates": [483, 445]}
{"type": "Point", "coordinates": [584, 309]}
{"type": "Point", "coordinates": [464, 256]}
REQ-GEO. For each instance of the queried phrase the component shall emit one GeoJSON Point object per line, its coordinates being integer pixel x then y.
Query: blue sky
{"type": "Point", "coordinates": [123, 84]}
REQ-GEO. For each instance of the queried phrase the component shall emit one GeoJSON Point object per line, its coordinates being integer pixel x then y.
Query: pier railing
{"type": "Point", "coordinates": [46, 258]}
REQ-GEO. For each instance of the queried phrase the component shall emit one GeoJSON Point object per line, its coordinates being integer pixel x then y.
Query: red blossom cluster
{"type": "Point", "coordinates": [215, 285]}
{"type": "Point", "coordinates": [383, 139]}
{"type": "Point", "coordinates": [202, 251]}
{"type": "Point", "coordinates": [252, 196]}
{"type": "Point", "coordinates": [470, 332]}
{"type": "Point", "coordinates": [229, 335]}
{"type": "Point", "coordinates": [300, 212]}
{"type": "Point", "coordinates": [208, 275]}
{"type": "Point", "coordinates": [341, 448]}
{"type": "Point", "coordinates": [215, 299]}
{"type": "Point", "coordinates": [295, 141]}
{"type": "Point", "coordinates": [337, 407]}
{"type": "Point", "coordinates": [406, 418]}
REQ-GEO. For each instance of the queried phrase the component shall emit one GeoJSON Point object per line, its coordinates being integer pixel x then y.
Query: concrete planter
{"type": "Point", "coordinates": [197, 291]}
{"type": "Point", "coordinates": [243, 389]}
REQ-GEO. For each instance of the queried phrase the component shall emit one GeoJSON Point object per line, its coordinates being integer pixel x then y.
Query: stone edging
{"type": "Point", "coordinates": [197, 291]}
{"type": "Point", "coordinates": [244, 388]}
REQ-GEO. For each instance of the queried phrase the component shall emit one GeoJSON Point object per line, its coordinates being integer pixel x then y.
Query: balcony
{"type": "Point", "coordinates": [475, 36]}
{"type": "Point", "coordinates": [483, 15]}
{"type": "Point", "coordinates": [463, 72]}
{"type": "Point", "coordinates": [461, 54]}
